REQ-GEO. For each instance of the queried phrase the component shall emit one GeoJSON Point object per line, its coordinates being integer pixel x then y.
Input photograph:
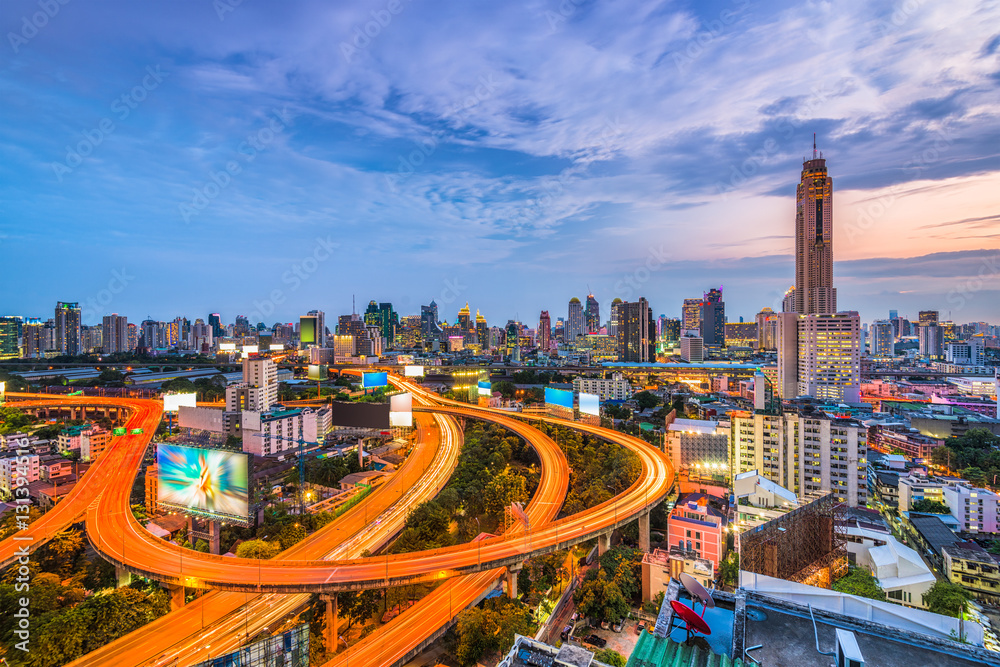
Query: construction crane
{"type": "Point", "coordinates": [302, 464]}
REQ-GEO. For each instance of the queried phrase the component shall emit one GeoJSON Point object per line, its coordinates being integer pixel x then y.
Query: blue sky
{"type": "Point", "coordinates": [180, 158]}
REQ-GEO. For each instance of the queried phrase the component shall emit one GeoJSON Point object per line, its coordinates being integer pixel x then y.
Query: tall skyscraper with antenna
{"type": "Point", "coordinates": [814, 290]}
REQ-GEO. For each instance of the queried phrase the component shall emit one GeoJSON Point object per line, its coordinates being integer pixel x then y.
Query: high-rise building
{"type": "Point", "coordinates": [592, 315]}
{"type": "Point", "coordinates": [10, 348]}
{"type": "Point", "coordinates": [242, 326]}
{"type": "Point", "coordinates": [713, 319]}
{"type": "Point", "coordinates": [692, 349]}
{"type": "Point", "coordinates": [482, 331]}
{"type": "Point", "coordinates": [384, 317]}
{"type": "Point", "coordinates": [91, 338]}
{"type": "Point", "coordinates": [613, 322]}
{"type": "Point", "coordinates": [636, 335]}
{"type": "Point", "coordinates": [32, 338]}
{"type": "Point", "coordinates": [741, 334]}
{"type": "Point", "coordinates": [429, 322]}
{"type": "Point", "coordinates": [767, 330]}
{"type": "Point", "coordinates": [115, 335]}
{"type": "Point", "coordinates": [788, 301]}
{"type": "Point", "coordinates": [574, 321]}
{"type": "Point", "coordinates": [668, 330]}
{"type": "Point", "coordinates": [67, 320]}
{"type": "Point", "coordinates": [320, 326]}
{"type": "Point", "coordinates": [928, 317]}
{"type": "Point", "coordinates": [814, 291]}
{"type": "Point", "coordinates": [201, 336]}
{"type": "Point", "coordinates": [215, 321]}
{"type": "Point", "coordinates": [829, 357]}
{"type": "Point", "coordinates": [262, 374]}
{"type": "Point", "coordinates": [691, 317]}
{"type": "Point", "coordinates": [930, 339]}
{"type": "Point", "coordinates": [883, 340]}
{"type": "Point", "coordinates": [544, 331]}
{"type": "Point", "coordinates": [133, 337]}
{"type": "Point", "coordinates": [465, 318]}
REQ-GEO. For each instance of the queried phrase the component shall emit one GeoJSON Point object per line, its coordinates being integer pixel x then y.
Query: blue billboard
{"type": "Point", "coordinates": [590, 404]}
{"type": "Point", "coordinates": [561, 397]}
{"type": "Point", "coordinates": [369, 380]}
{"type": "Point", "coordinates": [485, 388]}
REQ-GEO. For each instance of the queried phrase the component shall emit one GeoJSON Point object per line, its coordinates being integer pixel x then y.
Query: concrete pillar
{"type": "Point", "coordinates": [603, 543]}
{"type": "Point", "coordinates": [330, 623]}
{"type": "Point", "coordinates": [176, 596]}
{"type": "Point", "coordinates": [512, 571]}
{"type": "Point", "coordinates": [215, 535]}
{"type": "Point", "coordinates": [644, 533]}
{"type": "Point", "coordinates": [122, 576]}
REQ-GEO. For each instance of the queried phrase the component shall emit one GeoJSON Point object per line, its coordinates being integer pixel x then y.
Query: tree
{"type": "Point", "coordinates": [506, 488]}
{"type": "Point", "coordinates": [490, 628]}
{"type": "Point", "coordinates": [946, 598]}
{"type": "Point", "coordinates": [646, 400]}
{"type": "Point", "coordinates": [974, 474]}
{"type": "Point", "coordinates": [729, 569]}
{"type": "Point", "coordinates": [929, 506]}
{"type": "Point", "coordinates": [506, 388]}
{"type": "Point", "coordinates": [611, 657]}
{"type": "Point", "coordinates": [600, 598]}
{"type": "Point", "coordinates": [257, 549]}
{"type": "Point", "coordinates": [291, 534]}
{"type": "Point", "coordinates": [859, 581]}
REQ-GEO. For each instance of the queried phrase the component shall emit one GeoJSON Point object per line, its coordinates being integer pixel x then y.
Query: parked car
{"type": "Point", "coordinates": [604, 625]}
{"type": "Point", "coordinates": [564, 635]}
{"type": "Point", "coordinates": [575, 617]}
{"type": "Point", "coordinates": [639, 627]}
{"type": "Point", "coordinates": [594, 640]}
{"type": "Point", "coordinates": [617, 627]}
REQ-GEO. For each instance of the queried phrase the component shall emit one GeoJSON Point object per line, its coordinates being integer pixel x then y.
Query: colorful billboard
{"type": "Point", "coordinates": [559, 397]}
{"type": "Point", "coordinates": [590, 404]}
{"type": "Point", "coordinates": [173, 402]}
{"type": "Point", "coordinates": [209, 483]}
{"type": "Point", "coordinates": [369, 380]}
{"type": "Point", "coordinates": [413, 371]}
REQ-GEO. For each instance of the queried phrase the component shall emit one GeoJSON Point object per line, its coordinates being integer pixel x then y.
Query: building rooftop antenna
{"type": "Point", "coordinates": [814, 145]}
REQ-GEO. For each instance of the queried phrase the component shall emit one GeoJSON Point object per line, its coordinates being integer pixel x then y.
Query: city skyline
{"type": "Point", "coordinates": [517, 159]}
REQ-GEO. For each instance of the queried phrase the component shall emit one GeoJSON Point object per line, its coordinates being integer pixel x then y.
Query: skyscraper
{"type": "Point", "coordinates": [9, 346]}
{"type": "Point", "coordinates": [713, 319]}
{"type": "Point", "coordinates": [482, 331]}
{"type": "Point", "coordinates": [115, 335]}
{"type": "Point", "coordinates": [691, 316]}
{"type": "Point", "coordinates": [883, 340]}
{"type": "Point", "coordinates": [215, 321]}
{"type": "Point", "coordinates": [384, 317]}
{"type": "Point", "coordinates": [32, 343]}
{"type": "Point", "coordinates": [829, 357]}
{"type": "Point", "coordinates": [67, 321]}
{"type": "Point", "coordinates": [636, 335]}
{"type": "Point", "coordinates": [574, 321]}
{"type": "Point", "coordinates": [465, 318]}
{"type": "Point", "coordinates": [544, 331]}
{"type": "Point", "coordinates": [767, 330]}
{"type": "Point", "coordinates": [320, 326]}
{"type": "Point", "coordinates": [592, 315]}
{"type": "Point", "coordinates": [613, 322]}
{"type": "Point", "coordinates": [429, 328]}
{"type": "Point", "coordinates": [814, 291]}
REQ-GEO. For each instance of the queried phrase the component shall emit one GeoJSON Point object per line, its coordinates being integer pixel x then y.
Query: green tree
{"type": "Point", "coordinates": [490, 628]}
{"type": "Point", "coordinates": [974, 474]}
{"type": "Point", "coordinates": [729, 569]}
{"type": "Point", "coordinates": [929, 506]}
{"type": "Point", "coordinates": [611, 657]}
{"type": "Point", "coordinates": [646, 400]}
{"type": "Point", "coordinates": [946, 598]}
{"type": "Point", "coordinates": [257, 549]}
{"type": "Point", "coordinates": [859, 581]}
{"type": "Point", "coordinates": [291, 534]}
{"type": "Point", "coordinates": [506, 388]}
{"type": "Point", "coordinates": [506, 488]}
{"type": "Point", "coordinates": [600, 598]}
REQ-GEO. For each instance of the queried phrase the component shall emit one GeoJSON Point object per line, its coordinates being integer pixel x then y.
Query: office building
{"type": "Point", "coordinates": [636, 334]}
{"type": "Point", "coordinates": [115, 334]}
{"type": "Point", "coordinates": [202, 336]}
{"type": "Point", "coordinates": [615, 388]}
{"type": "Point", "coordinates": [215, 321]}
{"type": "Point", "coordinates": [544, 331]}
{"type": "Point", "coordinates": [592, 315]}
{"type": "Point", "coordinates": [814, 290]}
{"type": "Point", "coordinates": [803, 450]}
{"type": "Point", "coordinates": [741, 334]}
{"type": "Point", "coordinates": [385, 318]}
{"type": "Point", "coordinates": [925, 317]}
{"type": "Point", "coordinates": [767, 330]}
{"type": "Point", "coordinates": [969, 353]}
{"type": "Point", "coordinates": [668, 330]}
{"type": "Point", "coordinates": [308, 331]}
{"type": "Point", "coordinates": [829, 354]}
{"type": "Point", "coordinates": [691, 317]}
{"type": "Point", "coordinates": [10, 348]}
{"type": "Point", "coordinates": [32, 337]}
{"type": "Point", "coordinates": [320, 326]}
{"type": "Point", "coordinates": [482, 338]}
{"type": "Point", "coordinates": [574, 321]}
{"type": "Point", "coordinates": [713, 319]}
{"type": "Point", "coordinates": [930, 339]}
{"type": "Point", "coordinates": [613, 322]}
{"type": "Point", "coordinates": [692, 349]}
{"type": "Point", "coordinates": [883, 340]}
{"type": "Point", "coordinates": [263, 374]}
{"type": "Point", "coordinates": [67, 327]}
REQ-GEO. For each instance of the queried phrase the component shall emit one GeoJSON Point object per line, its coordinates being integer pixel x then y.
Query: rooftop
{"type": "Point", "coordinates": [969, 551]}
{"type": "Point", "coordinates": [934, 530]}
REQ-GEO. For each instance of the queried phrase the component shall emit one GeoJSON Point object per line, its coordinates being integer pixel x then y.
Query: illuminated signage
{"type": "Point", "coordinates": [401, 410]}
{"type": "Point", "coordinates": [204, 482]}
{"type": "Point", "coordinates": [136, 431]}
{"type": "Point", "coordinates": [277, 347]}
{"type": "Point", "coordinates": [307, 329]}
{"type": "Point", "coordinates": [369, 380]}
{"type": "Point", "coordinates": [559, 397]}
{"type": "Point", "coordinates": [173, 402]}
{"type": "Point", "coordinates": [118, 430]}
{"type": "Point", "coordinates": [485, 388]}
{"type": "Point", "coordinates": [413, 371]}
{"type": "Point", "coordinates": [227, 347]}
{"type": "Point", "coordinates": [318, 372]}
{"type": "Point", "coordinates": [590, 404]}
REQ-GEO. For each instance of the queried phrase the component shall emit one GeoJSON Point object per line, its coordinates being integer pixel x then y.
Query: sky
{"type": "Point", "coordinates": [265, 159]}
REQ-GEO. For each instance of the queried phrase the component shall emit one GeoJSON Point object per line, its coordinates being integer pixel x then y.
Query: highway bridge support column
{"type": "Point", "coordinates": [176, 596]}
{"type": "Point", "coordinates": [512, 571]}
{"type": "Point", "coordinates": [603, 543]}
{"type": "Point", "coordinates": [330, 623]}
{"type": "Point", "coordinates": [122, 576]}
{"type": "Point", "coordinates": [644, 533]}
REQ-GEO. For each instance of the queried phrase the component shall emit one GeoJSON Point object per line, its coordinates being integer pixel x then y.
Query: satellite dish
{"type": "Point", "coordinates": [697, 591]}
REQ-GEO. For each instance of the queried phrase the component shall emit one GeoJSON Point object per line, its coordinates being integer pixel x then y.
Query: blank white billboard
{"type": "Point", "coordinates": [413, 371]}
{"type": "Point", "coordinates": [172, 402]}
{"type": "Point", "coordinates": [202, 419]}
{"type": "Point", "coordinates": [590, 404]}
{"type": "Point", "coordinates": [401, 410]}
{"type": "Point", "coordinates": [277, 347]}
{"type": "Point", "coordinates": [227, 347]}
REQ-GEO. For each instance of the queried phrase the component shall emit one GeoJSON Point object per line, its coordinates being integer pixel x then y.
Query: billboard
{"type": "Point", "coordinates": [590, 404]}
{"type": "Point", "coordinates": [559, 397]}
{"type": "Point", "coordinates": [227, 347]}
{"type": "Point", "coordinates": [413, 371]}
{"type": "Point", "coordinates": [173, 402]}
{"type": "Point", "coordinates": [360, 415]}
{"type": "Point", "coordinates": [201, 419]}
{"type": "Point", "coordinates": [205, 482]}
{"type": "Point", "coordinates": [251, 349]}
{"type": "Point", "coordinates": [277, 347]}
{"type": "Point", "coordinates": [369, 380]}
{"type": "Point", "coordinates": [318, 372]}
{"type": "Point", "coordinates": [307, 330]}
{"type": "Point", "coordinates": [290, 649]}
{"type": "Point", "coordinates": [401, 410]}
{"type": "Point", "coordinates": [485, 388]}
